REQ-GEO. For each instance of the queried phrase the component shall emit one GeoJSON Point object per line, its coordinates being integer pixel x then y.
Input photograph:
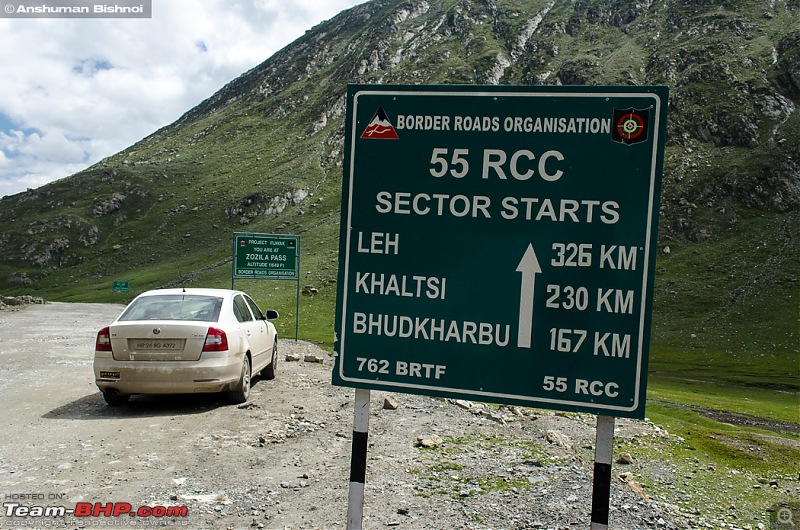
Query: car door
{"type": "Point", "coordinates": [253, 331]}
{"type": "Point", "coordinates": [265, 357]}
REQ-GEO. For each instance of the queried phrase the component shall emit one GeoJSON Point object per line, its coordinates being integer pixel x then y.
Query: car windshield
{"type": "Point", "coordinates": [174, 307]}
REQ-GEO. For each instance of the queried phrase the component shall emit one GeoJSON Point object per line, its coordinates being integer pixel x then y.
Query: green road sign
{"type": "Point", "coordinates": [119, 286]}
{"type": "Point", "coordinates": [266, 256]}
{"type": "Point", "coordinates": [498, 243]}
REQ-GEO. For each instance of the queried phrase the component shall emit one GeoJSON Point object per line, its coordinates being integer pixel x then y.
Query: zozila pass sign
{"type": "Point", "coordinates": [498, 243]}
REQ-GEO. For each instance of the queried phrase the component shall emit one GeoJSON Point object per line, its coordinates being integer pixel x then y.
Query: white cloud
{"type": "Point", "coordinates": [74, 91]}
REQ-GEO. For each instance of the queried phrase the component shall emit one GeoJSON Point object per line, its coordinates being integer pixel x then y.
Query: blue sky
{"type": "Point", "coordinates": [74, 91]}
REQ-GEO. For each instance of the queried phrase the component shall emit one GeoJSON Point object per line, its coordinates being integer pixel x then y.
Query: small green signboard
{"type": "Point", "coordinates": [498, 243]}
{"type": "Point", "coordinates": [266, 256]}
{"type": "Point", "coordinates": [119, 286]}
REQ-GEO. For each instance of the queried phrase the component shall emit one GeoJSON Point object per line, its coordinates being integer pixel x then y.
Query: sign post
{"type": "Point", "coordinates": [601, 483]}
{"type": "Point", "coordinates": [268, 257]}
{"type": "Point", "coordinates": [498, 243]}
{"type": "Point", "coordinates": [358, 460]}
{"type": "Point", "coordinates": [120, 286]}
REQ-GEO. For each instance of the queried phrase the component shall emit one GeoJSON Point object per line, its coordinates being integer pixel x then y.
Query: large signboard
{"type": "Point", "coordinates": [266, 256]}
{"type": "Point", "coordinates": [498, 243]}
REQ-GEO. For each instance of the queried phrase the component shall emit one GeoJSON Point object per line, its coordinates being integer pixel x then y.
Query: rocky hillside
{"type": "Point", "coordinates": [264, 154]}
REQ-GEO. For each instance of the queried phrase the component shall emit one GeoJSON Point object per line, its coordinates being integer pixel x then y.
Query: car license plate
{"type": "Point", "coordinates": [109, 375]}
{"type": "Point", "coordinates": [154, 345]}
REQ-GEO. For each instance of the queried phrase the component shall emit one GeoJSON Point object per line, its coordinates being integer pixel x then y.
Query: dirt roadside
{"type": "Point", "coordinates": [281, 461]}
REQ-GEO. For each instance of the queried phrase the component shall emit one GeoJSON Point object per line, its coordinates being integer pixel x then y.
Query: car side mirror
{"type": "Point", "coordinates": [271, 314]}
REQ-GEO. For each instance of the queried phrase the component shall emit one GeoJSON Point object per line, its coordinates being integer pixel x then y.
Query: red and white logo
{"type": "Point", "coordinates": [380, 127]}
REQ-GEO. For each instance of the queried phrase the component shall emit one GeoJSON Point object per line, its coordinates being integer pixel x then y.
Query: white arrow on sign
{"type": "Point", "coordinates": [529, 267]}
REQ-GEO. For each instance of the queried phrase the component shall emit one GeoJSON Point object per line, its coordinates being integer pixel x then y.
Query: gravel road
{"type": "Point", "coordinates": [281, 461]}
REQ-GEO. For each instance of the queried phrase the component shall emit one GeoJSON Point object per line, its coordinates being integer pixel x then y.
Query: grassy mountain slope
{"type": "Point", "coordinates": [264, 155]}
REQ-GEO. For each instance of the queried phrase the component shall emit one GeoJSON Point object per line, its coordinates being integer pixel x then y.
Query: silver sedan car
{"type": "Point", "coordinates": [176, 341]}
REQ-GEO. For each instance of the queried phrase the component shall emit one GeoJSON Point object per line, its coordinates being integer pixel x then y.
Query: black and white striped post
{"type": "Point", "coordinates": [358, 461]}
{"type": "Point", "coordinates": [601, 483]}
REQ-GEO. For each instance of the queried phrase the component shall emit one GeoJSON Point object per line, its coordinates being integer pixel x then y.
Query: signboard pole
{"type": "Point", "coordinates": [358, 460]}
{"type": "Point", "coordinates": [297, 299]}
{"type": "Point", "coordinates": [601, 484]}
{"type": "Point", "coordinates": [233, 262]}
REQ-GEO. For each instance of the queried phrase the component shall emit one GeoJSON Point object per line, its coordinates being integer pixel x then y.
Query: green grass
{"type": "Point", "coordinates": [737, 293]}
{"type": "Point", "coordinates": [774, 371]}
{"type": "Point", "coordinates": [712, 470]}
{"type": "Point", "coordinates": [710, 466]}
{"type": "Point", "coordinates": [754, 401]}
{"type": "Point", "coordinates": [755, 451]}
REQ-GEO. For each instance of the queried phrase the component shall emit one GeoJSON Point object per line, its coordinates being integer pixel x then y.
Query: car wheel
{"type": "Point", "coordinates": [115, 399]}
{"type": "Point", "coordinates": [269, 371]}
{"type": "Point", "coordinates": [242, 390]}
